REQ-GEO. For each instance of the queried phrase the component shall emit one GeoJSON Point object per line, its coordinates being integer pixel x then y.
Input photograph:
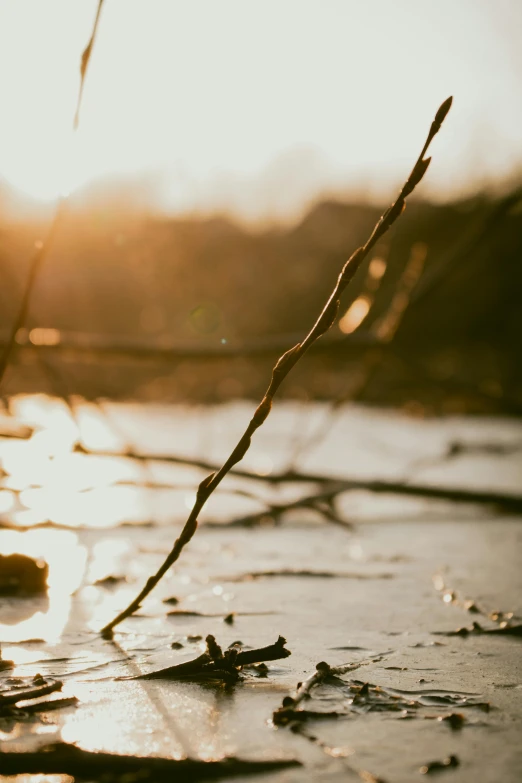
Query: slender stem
{"type": "Point", "coordinates": [43, 250]}
{"type": "Point", "coordinates": [34, 268]}
{"type": "Point", "coordinates": [84, 64]}
{"type": "Point", "coordinates": [282, 368]}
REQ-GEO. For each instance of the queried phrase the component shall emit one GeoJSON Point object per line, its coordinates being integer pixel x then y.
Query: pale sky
{"type": "Point", "coordinates": [259, 106]}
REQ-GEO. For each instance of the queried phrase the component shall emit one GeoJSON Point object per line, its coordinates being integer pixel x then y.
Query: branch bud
{"type": "Point", "coordinates": [351, 266]}
{"type": "Point", "coordinates": [417, 174]}
{"type": "Point", "coordinates": [327, 317]}
{"type": "Point", "coordinates": [443, 111]}
{"type": "Point", "coordinates": [203, 486]}
{"type": "Point", "coordinates": [262, 411]}
{"type": "Point", "coordinates": [288, 358]}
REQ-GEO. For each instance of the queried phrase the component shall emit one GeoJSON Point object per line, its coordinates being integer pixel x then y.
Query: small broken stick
{"type": "Point", "coordinates": [503, 629]}
{"type": "Point", "coordinates": [438, 766]}
{"type": "Point", "coordinates": [214, 664]}
{"type": "Point", "coordinates": [26, 694]}
{"type": "Point", "coordinates": [505, 624]}
{"type": "Point", "coordinates": [365, 697]}
{"type": "Point", "coordinates": [195, 613]}
{"type": "Point", "coordinates": [22, 700]}
{"type": "Point", "coordinates": [288, 710]}
{"type": "Point", "coordinates": [49, 705]}
{"type": "Point", "coordinates": [290, 572]}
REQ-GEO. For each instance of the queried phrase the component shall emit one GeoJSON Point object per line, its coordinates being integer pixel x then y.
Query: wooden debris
{"type": "Point", "coordinates": [21, 699]}
{"type": "Point", "coordinates": [65, 759]}
{"type": "Point", "coordinates": [214, 664]}
{"type": "Point", "coordinates": [437, 766]}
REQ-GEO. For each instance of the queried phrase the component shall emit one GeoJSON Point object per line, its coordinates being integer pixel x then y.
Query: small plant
{"type": "Point", "coordinates": [284, 365]}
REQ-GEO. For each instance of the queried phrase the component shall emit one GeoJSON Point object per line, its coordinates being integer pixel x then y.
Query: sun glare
{"type": "Point", "coordinates": [218, 124]}
{"type": "Point", "coordinates": [48, 178]}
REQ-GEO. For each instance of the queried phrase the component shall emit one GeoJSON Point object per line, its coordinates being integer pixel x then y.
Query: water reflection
{"type": "Point", "coordinates": [166, 718]}
{"type": "Point", "coordinates": [121, 720]}
{"type": "Point", "coordinates": [45, 480]}
{"type": "Point", "coordinates": [51, 482]}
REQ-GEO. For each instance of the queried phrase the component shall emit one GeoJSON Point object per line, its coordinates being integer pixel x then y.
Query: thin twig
{"type": "Point", "coordinates": [15, 696]}
{"type": "Point", "coordinates": [65, 759]}
{"type": "Point", "coordinates": [384, 329]}
{"type": "Point", "coordinates": [284, 365]}
{"type": "Point", "coordinates": [507, 502]}
{"type": "Point", "coordinates": [370, 288]}
{"type": "Point", "coordinates": [49, 706]}
{"type": "Point", "coordinates": [323, 671]}
{"type": "Point", "coordinates": [44, 248]}
{"type": "Point", "coordinates": [36, 264]}
{"type": "Point", "coordinates": [84, 64]}
{"type": "Point", "coordinates": [216, 665]}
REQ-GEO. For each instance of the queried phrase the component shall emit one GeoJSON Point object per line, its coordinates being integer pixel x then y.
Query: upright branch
{"type": "Point", "coordinates": [283, 366]}
{"type": "Point", "coordinates": [84, 63]}
{"type": "Point", "coordinates": [23, 310]}
{"type": "Point", "coordinates": [45, 246]}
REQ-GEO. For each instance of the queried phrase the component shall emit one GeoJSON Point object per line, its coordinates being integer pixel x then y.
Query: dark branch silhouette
{"type": "Point", "coordinates": [284, 365]}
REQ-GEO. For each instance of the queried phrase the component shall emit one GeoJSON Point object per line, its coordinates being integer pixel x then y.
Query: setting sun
{"type": "Point", "coordinates": [46, 179]}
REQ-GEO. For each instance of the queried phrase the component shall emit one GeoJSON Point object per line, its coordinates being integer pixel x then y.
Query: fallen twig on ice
{"type": "Point", "coordinates": [214, 664]}
{"type": "Point", "coordinates": [65, 759]}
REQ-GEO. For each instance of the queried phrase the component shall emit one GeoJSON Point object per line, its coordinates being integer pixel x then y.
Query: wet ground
{"type": "Point", "coordinates": [383, 596]}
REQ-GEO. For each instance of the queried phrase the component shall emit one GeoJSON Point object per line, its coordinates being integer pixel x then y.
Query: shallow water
{"type": "Point", "coordinates": [376, 598]}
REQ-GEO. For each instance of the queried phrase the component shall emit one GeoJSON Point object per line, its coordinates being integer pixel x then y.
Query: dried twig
{"type": "Point", "coordinates": [291, 573]}
{"type": "Point", "coordinates": [363, 697]}
{"type": "Point", "coordinates": [319, 501]}
{"type": "Point", "coordinates": [284, 365]}
{"type": "Point", "coordinates": [476, 629]}
{"type": "Point", "coordinates": [84, 64]}
{"type": "Point", "coordinates": [437, 766]}
{"type": "Point", "coordinates": [50, 705]}
{"type": "Point", "coordinates": [323, 671]}
{"type": "Point", "coordinates": [384, 330]}
{"type": "Point", "coordinates": [509, 501]}
{"type": "Point", "coordinates": [505, 622]}
{"type": "Point", "coordinates": [322, 503]}
{"type": "Point", "coordinates": [39, 687]}
{"type": "Point", "coordinates": [62, 758]}
{"type": "Point", "coordinates": [214, 664]}
{"type": "Point", "coordinates": [34, 268]}
{"type": "Point", "coordinates": [44, 247]}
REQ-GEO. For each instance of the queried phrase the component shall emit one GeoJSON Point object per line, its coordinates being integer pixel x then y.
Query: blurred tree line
{"type": "Point", "coordinates": [209, 281]}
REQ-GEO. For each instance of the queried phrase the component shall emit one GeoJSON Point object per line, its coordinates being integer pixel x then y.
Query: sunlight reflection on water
{"type": "Point", "coordinates": [94, 574]}
{"type": "Point", "coordinates": [54, 483]}
{"type": "Point", "coordinates": [45, 480]}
